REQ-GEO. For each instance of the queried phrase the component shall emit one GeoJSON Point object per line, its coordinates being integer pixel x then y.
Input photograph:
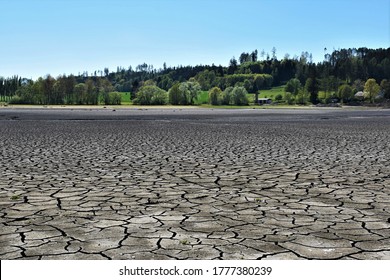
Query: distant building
{"type": "Point", "coordinates": [262, 101]}
{"type": "Point", "coordinates": [360, 95]}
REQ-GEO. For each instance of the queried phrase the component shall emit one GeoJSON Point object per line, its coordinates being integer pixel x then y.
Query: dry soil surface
{"type": "Point", "coordinates": [194, 184]}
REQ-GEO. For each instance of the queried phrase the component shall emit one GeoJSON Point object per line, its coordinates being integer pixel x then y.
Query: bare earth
{"type": "Point", "coordinates": [194, 184]}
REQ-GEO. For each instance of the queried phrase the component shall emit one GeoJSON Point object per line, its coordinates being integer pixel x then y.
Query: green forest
{"type": "Point", "coordinates": [348, 76]}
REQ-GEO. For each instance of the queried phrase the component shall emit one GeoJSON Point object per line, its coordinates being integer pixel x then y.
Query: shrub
{"type": "Point", "coordinates": [215, 96]}
{"type": "Point", "coordinates": [174, 94]}
{"type": "Point", "coordinates": [151, 95]}
{"type": "Point", "coordinates": [189, 92]}
{"type": "Point", "coordinates": [111, 98]}
{"type": "Point", "coordinates": [159, 97]}
{"type": "Point", "coordinates": [115, 98]}
{"type": "Point", "coordinates": [293, 86]}
{"type": "Point", "coordinates": [185, 93]}
{"type": "Point", "coordinates": [227, 96]}
{"type": "Point", "coordinates": [239, 95]}
{"type": "Point", "coordinates": [345, 93]}
{"type": "Point", "coordinates": [16, 100]}
{"type": "Point", "coordinates": [289, 98]}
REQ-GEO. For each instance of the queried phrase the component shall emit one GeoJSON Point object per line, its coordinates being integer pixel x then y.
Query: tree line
{"type": "Point", "coordinates": [340, 75]}
{"type": "Point", "coordinates": [62, 90]}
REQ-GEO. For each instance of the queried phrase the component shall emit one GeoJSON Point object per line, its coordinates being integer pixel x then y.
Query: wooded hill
{"type": "Point", "coordinates": [342, 73]}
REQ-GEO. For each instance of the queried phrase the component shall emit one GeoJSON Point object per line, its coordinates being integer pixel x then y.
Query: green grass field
{"type": "Point", "coordinates": [125, 98]}
{"type": "Point", "coordinates": [203, 98]}
{"type": "Point", "coordinates": [272, 93]}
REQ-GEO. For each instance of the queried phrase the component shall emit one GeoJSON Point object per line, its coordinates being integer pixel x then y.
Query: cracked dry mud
{"type": "Point", "coordinates": [194, 184]}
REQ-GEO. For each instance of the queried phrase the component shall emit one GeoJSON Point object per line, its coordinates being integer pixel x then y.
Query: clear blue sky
{"type": "Point", "coordinates": [39, 37]}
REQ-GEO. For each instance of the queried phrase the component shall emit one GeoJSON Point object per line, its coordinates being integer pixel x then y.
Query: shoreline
{"type": "Point", "coordinates": [170, 107]}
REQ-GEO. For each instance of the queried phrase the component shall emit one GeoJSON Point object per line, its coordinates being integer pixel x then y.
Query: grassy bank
{"type": "Point", "coordinates": [272, 93]}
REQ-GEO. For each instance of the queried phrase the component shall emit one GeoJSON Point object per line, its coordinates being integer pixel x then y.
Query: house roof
{"type": "Point", "coordinates": [359, 94]}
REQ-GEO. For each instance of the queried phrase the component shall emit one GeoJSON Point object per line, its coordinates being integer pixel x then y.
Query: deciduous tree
{"type": "Point", "coordinates": [372, 89]}
{"type": "Point", "coordinates": [345, 93]}
{"type": "Point", "coordinates": [385, 86]}
{"type": "Point", "coordinates": [312, 87]}
{"type": "Point", "coordinates": [80, 93]}
{"type": "Point", "coordinates": [215, 96]}
{"type": "Point", "coordinates": [189, 92]}
{"type": "Point", "coordinates": [227, 96]}
{"type": "Point", "coordinates": [293, 86]}
{"type": "Point", "coordinates": [239, 96]}
{"type": "Point", "coordinates": [174, 94]}
{"type": "Point", "coordinates": [151, 95]}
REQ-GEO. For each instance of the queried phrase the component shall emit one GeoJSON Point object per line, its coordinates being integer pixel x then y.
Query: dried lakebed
{"type": "Point", "coordinates": [194, 184]}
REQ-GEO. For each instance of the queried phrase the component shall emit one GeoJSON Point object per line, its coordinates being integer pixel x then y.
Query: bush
{"type": "Point", "coordinates": [302, 97]}
{"type": "Point", "coordinates": [239, 95]}
{"type": "Point", "coordinates": [227, 96]}
{"type": "Point", "coordinates": [151, 95]}
{"type": "Point", "coordinates": [189, 92]}
{"type": "Point", "coordinates": [185, 93]}
{"type": "Point", "coordinates": [293, 86]}
{"type": "Point", "coordinates": [289, 98]}
{"type": "Point", "coordinates": [16, 100]}
{"type": "Point", "coordinates": [215, 96]}
{"type": "Point", "coordinates": [159, 97]}
{"type": "Point", "coordinates": [24, 95]}
{"type": "Point", "coordinates": [114, 98]}
{"type": "Point", "coordinates": [174, 94]}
